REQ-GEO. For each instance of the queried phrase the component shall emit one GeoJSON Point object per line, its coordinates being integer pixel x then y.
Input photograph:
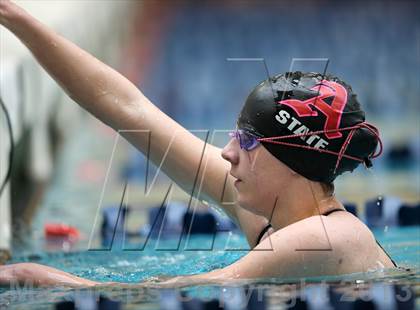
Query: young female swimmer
{"type": "Point", "coordinates": [296, 133]}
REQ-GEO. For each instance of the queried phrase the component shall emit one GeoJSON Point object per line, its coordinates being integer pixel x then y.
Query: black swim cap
{"type": "Point", "coordinates": [311, 122]}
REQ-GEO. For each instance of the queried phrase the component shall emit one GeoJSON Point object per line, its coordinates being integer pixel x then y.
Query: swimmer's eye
{"type": "Point", "coordinates": [246, 140]}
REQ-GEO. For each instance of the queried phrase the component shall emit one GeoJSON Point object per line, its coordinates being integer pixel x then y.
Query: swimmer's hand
{"type": "Point", "coordinates": [8, 10]}
{"type": "Point", "coordinates": [40, 276]}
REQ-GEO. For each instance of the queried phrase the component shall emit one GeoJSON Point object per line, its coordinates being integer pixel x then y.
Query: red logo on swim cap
{"type": "Point", "coordinates": [332, 112]}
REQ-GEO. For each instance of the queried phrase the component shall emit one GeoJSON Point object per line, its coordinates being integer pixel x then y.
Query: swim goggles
{"type": "Point", "coordinates": [246, 140]}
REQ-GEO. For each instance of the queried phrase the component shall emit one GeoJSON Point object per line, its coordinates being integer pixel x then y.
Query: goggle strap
{"type": "Point", "coordinates": [343, 148]}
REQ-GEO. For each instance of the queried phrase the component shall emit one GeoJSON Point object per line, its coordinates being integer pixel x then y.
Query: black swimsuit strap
{"type": "Point", "coordinates": [266, 228]}
{"type": "Point", "coordinates": [395, 264]}
{"type": "Point", "coordinates": [332, 211]}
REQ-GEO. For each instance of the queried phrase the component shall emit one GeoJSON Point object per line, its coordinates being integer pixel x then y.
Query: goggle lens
{"type": "Point", "coordinates": [246, 140]}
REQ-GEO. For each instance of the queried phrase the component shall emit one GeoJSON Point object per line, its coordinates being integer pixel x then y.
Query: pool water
{"type": "Point", "coordinates": [162, 258]}
{"type": "Point", "coordinates": [197, 254]}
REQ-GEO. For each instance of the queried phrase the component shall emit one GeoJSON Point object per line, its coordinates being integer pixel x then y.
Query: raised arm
{"type": "Point", "coordinates": [113, 99]}
{"type": "Point", "coordinates": [117, 102]}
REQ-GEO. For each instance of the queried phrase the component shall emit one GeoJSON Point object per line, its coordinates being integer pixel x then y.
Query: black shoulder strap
{"type": "Point", "coordinates": [395, 265]}
{"type": "Point", "coordinates": [266, 228]}
{"type": "Point", "coordinates": [332, 211]}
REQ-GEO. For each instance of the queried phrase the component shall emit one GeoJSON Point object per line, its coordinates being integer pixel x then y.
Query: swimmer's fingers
{"type": "Point", "coordinates": [15, 273]}
{"type": "Point", "coordinates": [6, 272]}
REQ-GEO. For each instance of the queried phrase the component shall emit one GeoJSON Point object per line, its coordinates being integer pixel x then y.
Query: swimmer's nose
{"type": "Point", "coordinates": [230, 152]}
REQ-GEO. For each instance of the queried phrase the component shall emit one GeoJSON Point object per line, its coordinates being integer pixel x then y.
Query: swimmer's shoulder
{"type": "Point", "coordinates": [337, 244]}
{"type": "Point", "coordinates": [357, 242]}
{"type": "Point", "coordinates": [314, 246]}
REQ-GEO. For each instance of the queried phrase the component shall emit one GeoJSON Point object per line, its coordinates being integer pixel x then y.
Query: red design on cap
{"type": "Point", "coordinates": [332, 112]}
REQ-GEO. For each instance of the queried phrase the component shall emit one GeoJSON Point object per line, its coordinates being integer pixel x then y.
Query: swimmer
{"type": "Point", "coordinates": [295, 134]}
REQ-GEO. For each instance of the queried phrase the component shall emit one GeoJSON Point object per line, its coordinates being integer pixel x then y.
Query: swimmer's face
{"type": "Point", "coordinates": [259, 177]}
